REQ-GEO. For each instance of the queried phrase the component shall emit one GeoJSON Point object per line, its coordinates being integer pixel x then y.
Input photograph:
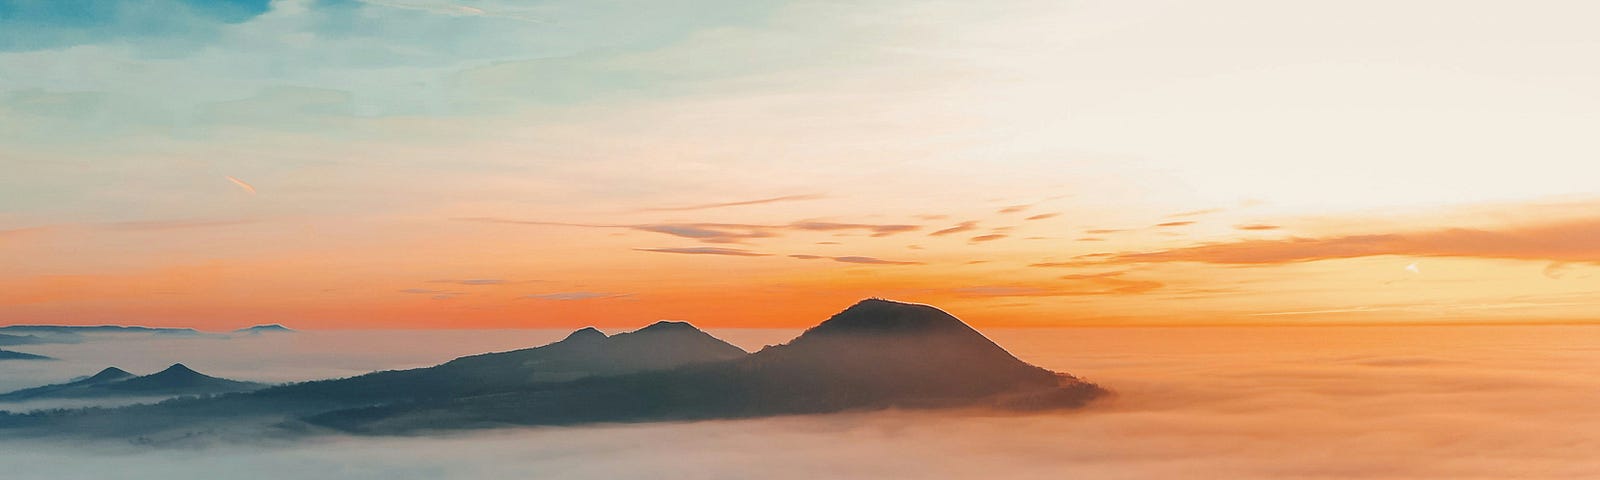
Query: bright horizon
{"type": "Point", "coordinates": [347, 165]}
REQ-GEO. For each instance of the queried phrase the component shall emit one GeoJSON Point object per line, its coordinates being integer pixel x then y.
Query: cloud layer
{"type": "Point", "coordinates": [1238, 403]}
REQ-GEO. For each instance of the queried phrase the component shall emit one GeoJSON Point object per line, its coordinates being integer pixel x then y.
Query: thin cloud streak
{"type": "Point", "coordinates": [1569, 241]}
{"type": "Point", "coordinates": [706, 251]}
{"type": "Point", "coordinates": [721, 232]}
{"type": "Point", "coordinates": [708, 206]}
{"type": "Point", "coordinates": [241, 183]}
{"type": "Point", "coordinates": [961, 227]}
{"type": "Point", "coordinates": [575, 296]}
{"type": "Point", "coordinates": [871, 261]}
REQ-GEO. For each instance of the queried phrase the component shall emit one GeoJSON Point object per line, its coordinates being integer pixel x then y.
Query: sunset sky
{"type": "Point", "coordinates": [744, 163]}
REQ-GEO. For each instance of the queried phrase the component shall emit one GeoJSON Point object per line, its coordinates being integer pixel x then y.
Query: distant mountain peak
{"type": "Point", "coordinates": [268, 328]}
{"type": "Point", "coordinates": [585, 334]}
{"type": "Point", "coordinates": [876, 315]}
{"type": "Point", "coordinates": [110, 374]}
{"type": "Point", "coordinates": [669, 326]}
{"type": "Point", "coordinates": [178, 369]}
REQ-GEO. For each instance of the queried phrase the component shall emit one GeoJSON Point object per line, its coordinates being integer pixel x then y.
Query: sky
{"type": "Point", "coordinates": [333, 164]}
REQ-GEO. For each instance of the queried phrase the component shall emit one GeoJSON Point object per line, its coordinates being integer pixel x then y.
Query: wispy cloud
{"type": "Point", "coordinates": [159, 225]}
{"type": "Point", "coordinates": [960, 227]}
{"type": "Point", "coordinates": [708, 206]}
{"type": "Point", "coordinates": [1256, 227]}
{"type": "Point", "coordinates": [1106, 283]}
{"type": "Point", "coordinates": [877, 230]}
{"type": "Point", "coordinates": [723, 232]}
{"type": "Point", "coordinates": [1567, 241]}
{"type": "Point", "coordinates": [706, 251]}
{"type": "Point", "coordinates": [854, 259]}
{"type": "Point", "coordinates": [241, 183]}
{"type": "Point", "coordinates": [1174, 224]}
{"type": "Point", "coordinates": [1196, 213]}
{"type": "Point", "coordinates": [1014, 209]}
{"type": "Point", "coordinates": [871, 261]}
{"type": "Point", "coordinates": [574, 296]}
{"type": "Point", "coordinates": [1043, 216]}
{"type": "Point", "coordinates": [989, 238]}
{"type": "Point", "coordinates": [435, 294]}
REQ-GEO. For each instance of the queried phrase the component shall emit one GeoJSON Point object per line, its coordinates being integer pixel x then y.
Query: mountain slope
{"type": "Point", "coordinates": [584, 353]}
{"type": "Point", "coordinates": [180, 380]}
{"type": "Point", "coordinates": [10, 355]}
{"type": "Point", "coordinates": [110, 374]}
{"type": "Point", "coordinates": [260, 329]}
{"type": "Point", "coordinates": [12, 340]}
{"type": "Point", "coordinates": [876, 354]}
{"type": "Point", "coordinates": [114, 382]}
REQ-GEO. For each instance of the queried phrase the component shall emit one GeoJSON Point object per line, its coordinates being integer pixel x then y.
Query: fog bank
{"type": "Point", "coordinates": [1324, 402]}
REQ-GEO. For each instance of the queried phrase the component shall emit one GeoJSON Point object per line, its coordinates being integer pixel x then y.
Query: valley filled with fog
{"type": "Point", "coordinates": [1269, 402]}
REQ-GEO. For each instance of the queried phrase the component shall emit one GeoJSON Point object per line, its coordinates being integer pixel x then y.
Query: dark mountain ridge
{"type": "Point", "coordinates": [115, 382]}
{"type": "Point", "coordinates": [12, 355]}
{"type": "Point", "coordinates": [876, 354]}
{"type": "Point", "coordinates": [94, 329]}
{"type": "Point", "coordinates": [259, 329]}
{"type": "Point", "coordinates": [584, 353]}
{"type": "Point", "coordinates": [13, 340]}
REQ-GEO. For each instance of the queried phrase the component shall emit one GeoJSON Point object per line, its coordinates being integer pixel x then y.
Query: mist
{"type": "Point", "coordinates": [1286, 402]}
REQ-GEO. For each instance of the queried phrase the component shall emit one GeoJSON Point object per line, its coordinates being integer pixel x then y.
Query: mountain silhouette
{"type": "Point", "coordinates": [10, 355]}
{"type": "Point", "coordinates": [178, 379]}
{"type": "Point", "coordinates": [13, 340]}
{"type": "Point", "coordinates": [876, 354]}
{"type": "Point", "coordinates": [110, 374]}
{"type": "Point", "coordinates": [93, 329]}
{"type": "Point", "coordinates": [64, 390]}
{"type": "Point", "coordinates": [260, 329]}
{"type": "Point", "coordinates": [584, 353]}
{"type": "Point", "coordinates": [115, 382]}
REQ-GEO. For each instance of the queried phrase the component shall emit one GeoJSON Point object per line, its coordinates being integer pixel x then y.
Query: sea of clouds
{"type": "Point", "coordinates": [1238, 403]}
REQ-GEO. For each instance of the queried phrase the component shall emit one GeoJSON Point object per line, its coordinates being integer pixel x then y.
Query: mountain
{"type": "Point", "coordinates": [13, 340]}
{"type": "Point", "coordinates": [10, 355]}
{"type": "Point", "coordinates": [114, 382]}
{"type": "Point", "coordinates": [584, 353]}
{"type": "Point", "coordinates": [876, 354]}
{"type": "Point", "coordinates": [109, 375]}
{"type": "Point", "coordinates": [70, 329]}
{"type": "Point", "coordinates": [260, 329]}
{"type": "Point", "coordinates": [180, 380]}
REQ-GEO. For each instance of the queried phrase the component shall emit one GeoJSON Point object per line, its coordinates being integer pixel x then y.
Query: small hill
{"type": "Point", "coordinates": [70, 329]}
{"type": "Point", "coordinates": [13, 340]}
{"type": "Point", "coordinates": [10, 355]}
{"type": "Point", "coordinates": [584, 353]}
{"type": "Point", "coordinates": [67, 390]}
{"type": "Point", "coordinates": [180, 380]}
{"type": "Point", "coordinates": [261, 329]}
{"type": "Point", "coordinates": [114, 382]}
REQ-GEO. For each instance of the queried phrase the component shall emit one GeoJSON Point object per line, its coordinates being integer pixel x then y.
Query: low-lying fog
{"type": "Point", "coordinates": [1239, 403]}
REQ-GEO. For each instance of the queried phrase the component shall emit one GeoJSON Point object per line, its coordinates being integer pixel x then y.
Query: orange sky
{"type": "Point", "coordinates": [1037, 163]}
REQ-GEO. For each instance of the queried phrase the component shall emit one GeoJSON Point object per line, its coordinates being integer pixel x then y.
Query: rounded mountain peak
{"type": "Point", "coordinates": [669, 326]}
{"type": "Point", "coordinates": [876, 315]}
{"type": "Point", "coordinates": [585, 334]}
{"type": "Point", "coordinates": [109, 374]}
{"type": "Point", "coordinates": [178, 369]}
